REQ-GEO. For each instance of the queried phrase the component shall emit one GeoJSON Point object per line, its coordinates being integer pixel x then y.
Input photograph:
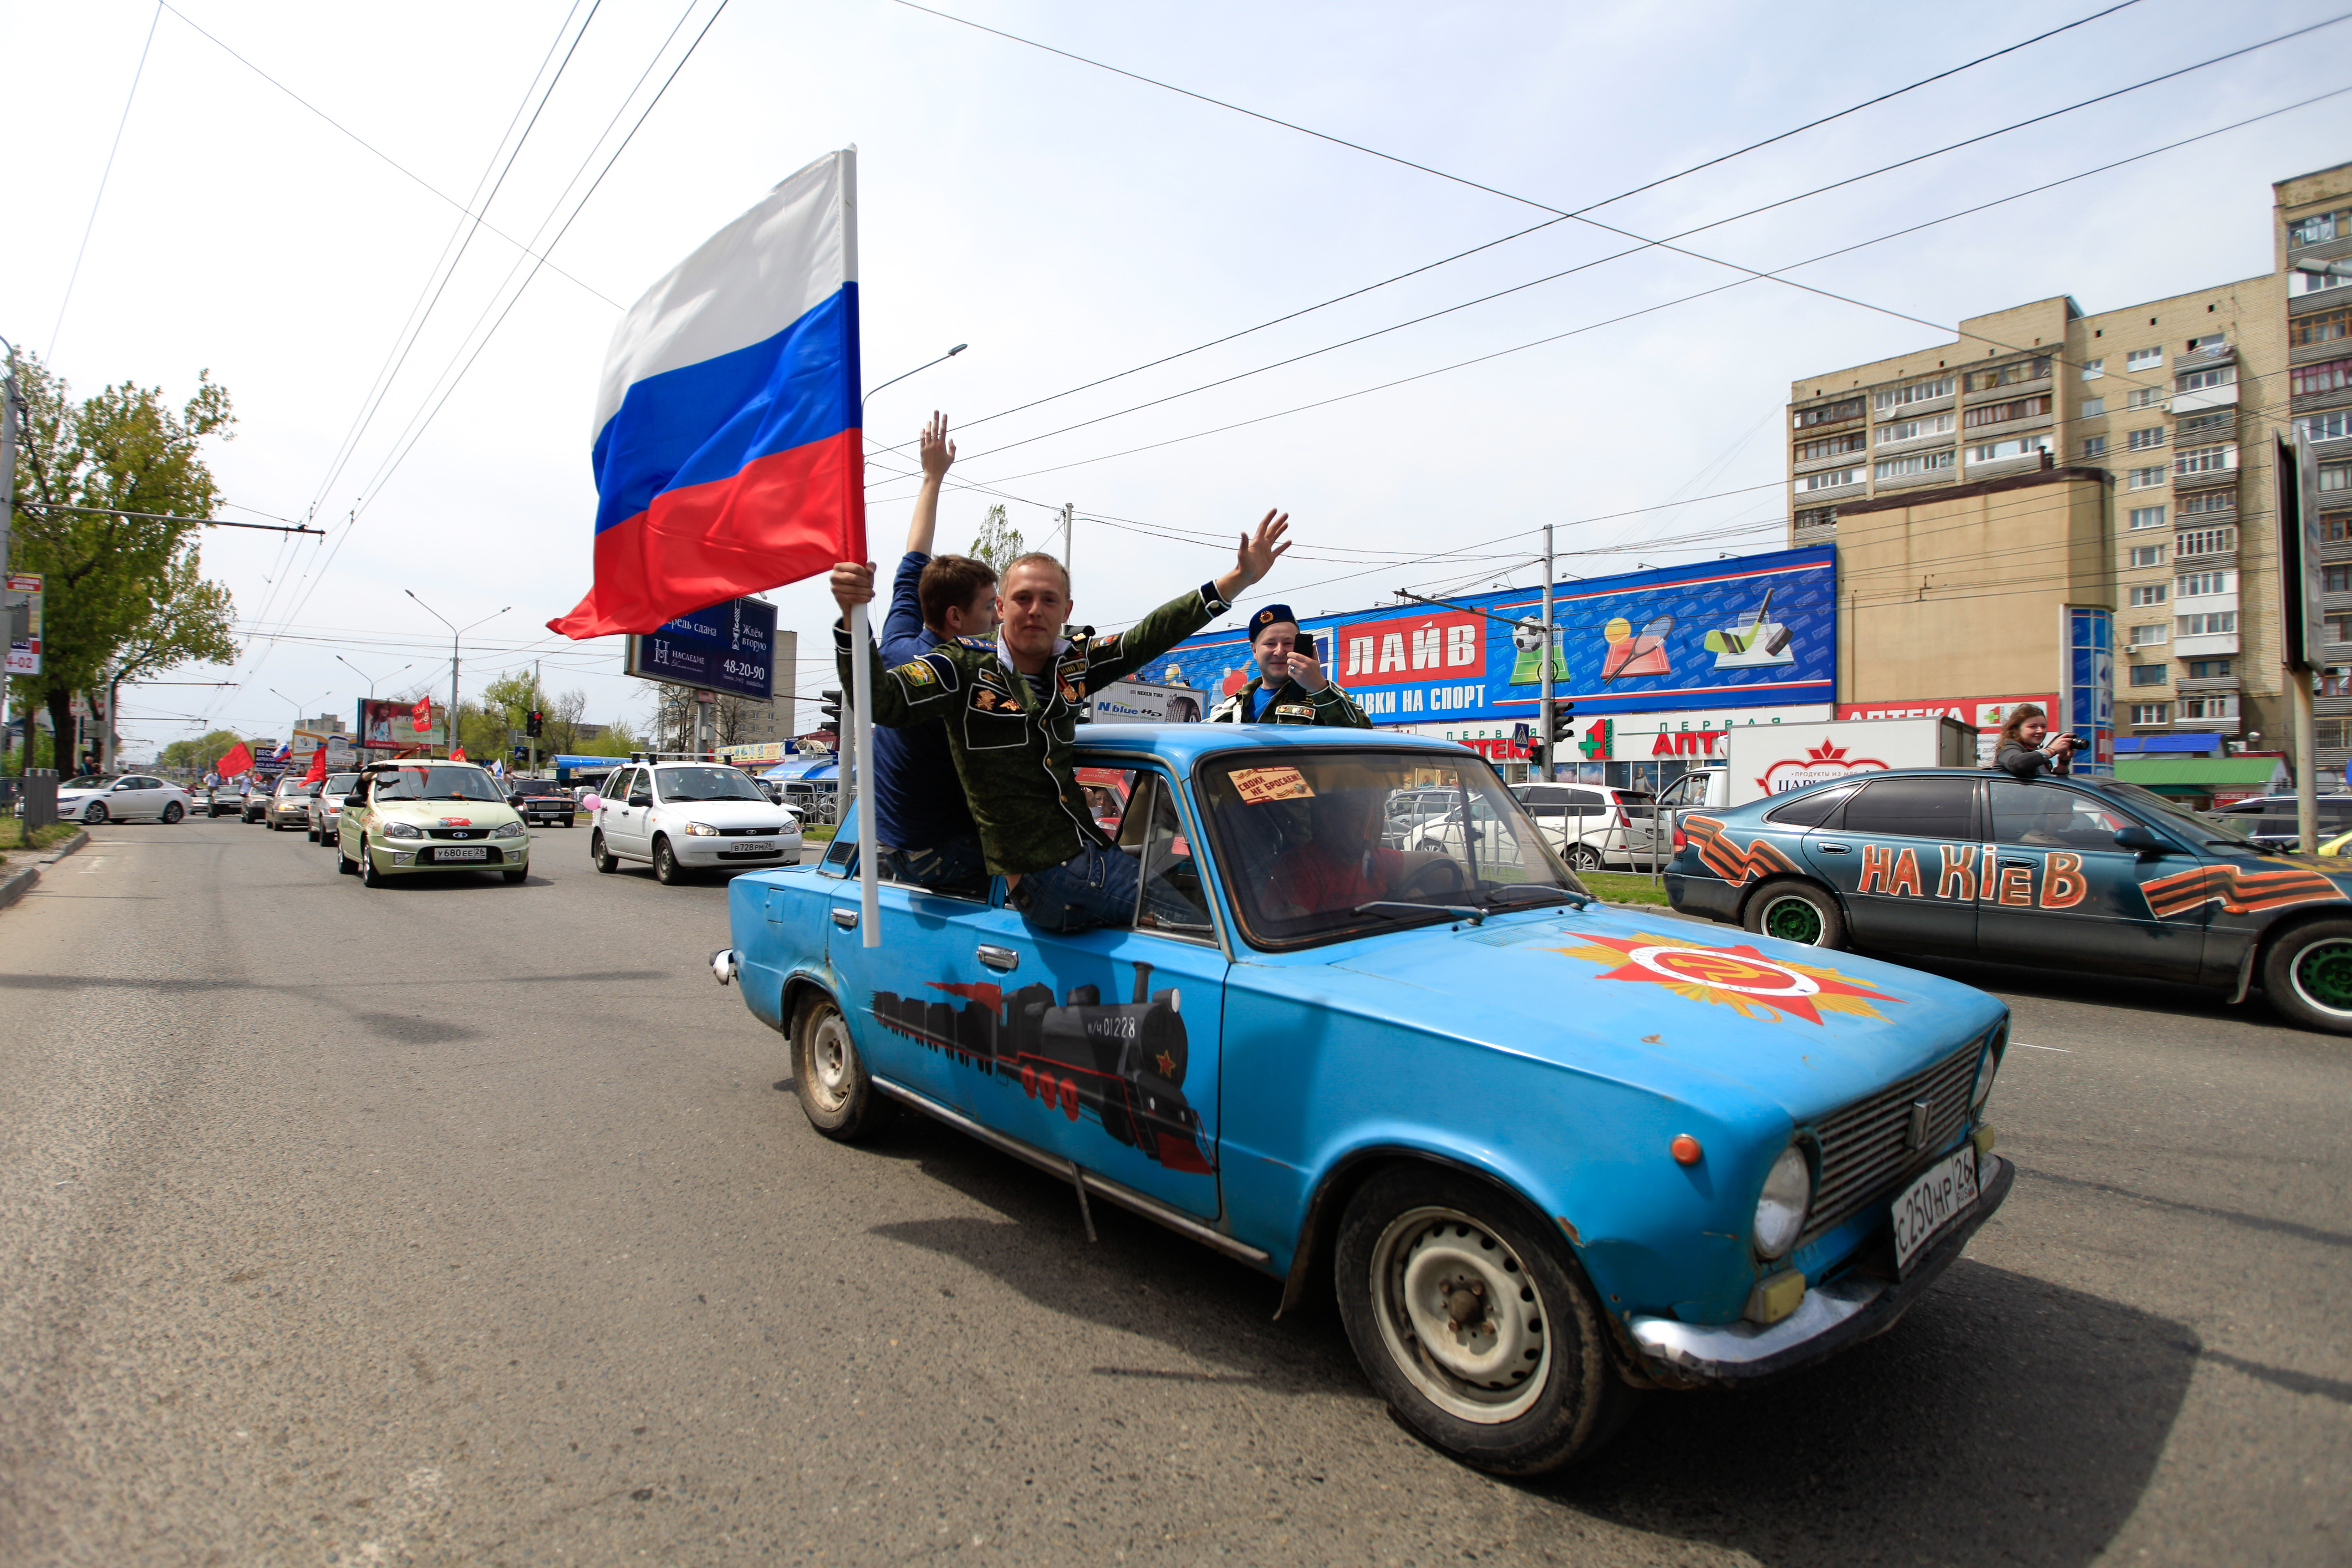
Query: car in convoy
{"type": "Point", "coordinates": [428, 815]}
{"type": "Point", "coordinates": [1591, 826]}
{"type": "Point", "coordinates": [542, 801]}
{"type": "Point", "coordinates": [128, 797]}
{"type": "Point", "coordinates": [326, 807]}
{"type": "Point", "coordinates": [2271, 821]}
{"type": "Point", "coordinates": [289, 806]}
{"type": "Point", "coordinates": [689, 817]}
{"type": "Point", "coordinates": [1545, 1152]}
{"type": "Point", "coordinates": [2083, 875]}
{"type": "Point", "coordinates": [254, 806]}
{"type": "Point", "coordinates": [226, 799]}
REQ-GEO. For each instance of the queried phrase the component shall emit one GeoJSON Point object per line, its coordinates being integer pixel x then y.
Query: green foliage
{"type": "Point", "coordinates": [196, 756]}
{"type": "Point", "coordinates": [998, 542]}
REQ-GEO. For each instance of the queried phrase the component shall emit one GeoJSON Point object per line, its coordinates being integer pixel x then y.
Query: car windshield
{"type": "Point", "coordinates": [435, 780]}
{"type": "Point", "coordinates": [705, 784]}
{"type": "Point", "coordinates": [1301, 843]}
{"type": "Point", "coordinates": [2206, 833]}
{"type": "Point", "coordinates": [341, 783]}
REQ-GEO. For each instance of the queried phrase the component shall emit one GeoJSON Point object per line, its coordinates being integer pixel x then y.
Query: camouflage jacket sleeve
{"type": "Point", "coordinates": [1121, 654]}
{"type": "Point", "coordinates": [915, 692]}
{"type": "Point", "coordinates": [1335, 708]}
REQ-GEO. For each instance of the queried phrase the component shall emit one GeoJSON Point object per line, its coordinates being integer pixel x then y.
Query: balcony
{"type": "Point", "coordinates": [2222, 396]}
{"type": "Point", "coordinates": [2189, 685]}
{"type": "Point", "coordinates": [2205, 644]}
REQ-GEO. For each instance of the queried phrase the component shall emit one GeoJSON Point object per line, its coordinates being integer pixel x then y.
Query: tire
{"type": "Point", "coordinates": [515, 879]}
{"type": "Point", "coordinates": [1529, 1385]}
{"type": "Point", "coordinates": [310, 832]}
{"type": "Point", "coordinates": [1585, 857]}
{"type": "Point", "coordinates": [344, 868]}
{"type": "Point", "coordinates": [369, 876]}
{"type": "Point", "coordinates": [1795, 910]}
{"type": "Point", "coordinates": [666, 870]}
{"type": "Point", "coordinates": [174, 811]}
{"type": "Point", "coordinates": [94, 812]}
{"type": "Point", "coordinates": [836, 1092]}
{"type": "Point", "coordinates": [2308, 975]}
{"type": "Point", "coordinates": [269, 820]}
{"type": "Point", "coordinates": [596, 856]}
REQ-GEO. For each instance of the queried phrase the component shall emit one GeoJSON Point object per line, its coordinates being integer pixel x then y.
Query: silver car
{"type": "Point", "coordinates": [290, 805]}
{"type": "Point", "coordinates": [326, 807]}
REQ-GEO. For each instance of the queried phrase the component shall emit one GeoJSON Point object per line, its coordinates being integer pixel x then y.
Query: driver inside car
{"type": "Point", "coordinates": [1344, 864]}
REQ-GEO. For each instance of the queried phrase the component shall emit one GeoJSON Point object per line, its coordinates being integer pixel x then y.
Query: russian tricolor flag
{"type": "Point", "coordinates": [727, 450]}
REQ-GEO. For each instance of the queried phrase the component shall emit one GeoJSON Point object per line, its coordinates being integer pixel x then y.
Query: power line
{"type": "Point", "coordinates": [105, 174]}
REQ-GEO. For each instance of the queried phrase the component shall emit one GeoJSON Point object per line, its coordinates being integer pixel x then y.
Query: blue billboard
{"type": "Point", "coordinates": [1759, 631]}
{"type": "Point", "coordinates": [730, 647]}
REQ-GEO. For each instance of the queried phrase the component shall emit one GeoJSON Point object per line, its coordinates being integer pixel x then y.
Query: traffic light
{"type": "Point", "coordinates": [831, 707]}
{"type": "Point", "coordinates": [535, 724]}
{"type": "Point", "coordinates": [1559, 726]}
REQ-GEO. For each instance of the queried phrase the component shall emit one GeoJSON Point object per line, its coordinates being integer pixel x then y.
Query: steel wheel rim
{"type": "Point", "coordinates": [1793, 919]}
{"type": "Point", "coordinates": [1493, 1363]}
{"type": "Point", "coordinates": [829, 1061]}
{"type": "Point", "coordinates": [2322, 976]}
{"type": "Point", "coordinates": [665, 862]}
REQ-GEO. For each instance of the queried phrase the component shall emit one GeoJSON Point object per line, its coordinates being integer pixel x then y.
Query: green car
{"type": "Point", "coordinates": [429, 814]}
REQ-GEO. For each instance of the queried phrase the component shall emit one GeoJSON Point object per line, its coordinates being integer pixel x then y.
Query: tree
{"type": "Point", "coordinates": [111, 580]}
{"type": "Point", "coordinates": [998, 542]}
{"type": "Point", "coordinates": [196, 756]}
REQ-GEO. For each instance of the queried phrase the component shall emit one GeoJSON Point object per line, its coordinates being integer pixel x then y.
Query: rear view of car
{"type": "Point", "coordinates": [543, 802]}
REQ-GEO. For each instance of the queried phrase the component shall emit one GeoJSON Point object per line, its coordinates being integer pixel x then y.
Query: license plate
{"type": "Point", "coordinates": [472, 854]}
{"type": "Point", "coordinates": [757, 847]}
{"type": "Point", "coordinates": [1933, 1202]}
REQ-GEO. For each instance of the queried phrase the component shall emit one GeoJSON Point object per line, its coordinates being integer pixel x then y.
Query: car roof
{"type": "Point", "coordinates": [1185, 744]}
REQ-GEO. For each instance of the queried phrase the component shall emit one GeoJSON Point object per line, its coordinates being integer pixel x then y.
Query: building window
{"type": "Point", "coordinates": [2332, 375]}
{"type": "Point", "coordinates": [2093, 407]}
{"type": "Point", "coordinates": [2219, 423]}
{"type": "Point", "coordinates": [2317, 283]}
{"type": "Point", "coordinates": [2094, 368]}
{"type": "Point", "coordinates": [2014, 374]}
{"type": "Point", "coordinates": [2142, 358]}
{"type": "Point", "coordinates": [2144, 398]}
{"type": "Point", "coordinates": [2141, 440]}
{"type": "Point", "coordinates": [2149, 593]}
{"type": "Point", "coordinates": [2146, 478]}
{"type": "Point", "coordinates": [2196, 380]}
{"type": "Point", "coordinates": [2222, 705]}
{"type": "Point", "coordinates": [2190, 584]}
{"type": "Point", "coordinates": [2339, 627]}
{"type": "Point", "coordinates": [2335, 680]}
{"type": "Point", "coordinates": [2148, 675]}
{"type": "Point", "coordinates": [2331, 426]}
{"type": "Point", "coordinates": [2204, 542]}
{"type": "Point", "coordinates": [2147, 555]}
{"type": "Point", "coordinates": [2211, 501]}
{"type": "Point", "coordinates": [2094, 445]}
{"type": "Point", "coordinates": [1913, 430]}
{"type": "Point", "coordinates": [1917, 463]}
{"type": "Point", "coordinates": [2149, 637]}
{"type": "Point", "coordinates": [2013, 447]}
{"type": "Point", "coordinates": [1813, 517]}
{"type": "Point", "coordinates": [2320, 227]}
{"type": "Point", "coordinates": [1828, 413]}
{"type": "Point", "coordinates": [1831, 445]}
{"type": "Point", "coordinates": [2205, 460]}
{"type": "Point", "coordinates": [2336, 579]}
{"type": "Point", "coordinates": [2336, 476]}
{"type": "Point", "coordinates": [2147, 517]}
{"type": "Point", "coordinates": [2336, 530]}
{"type": "Point", "coordinates": [2209, 669]}
{"type": "Point", "coordinates": [2332, 734]}
{"type": "Point", "coordinates": [2003, 413]}
{"type": "Point", "coordinates": [2321, 327]}
{"type": "Point", "coordinates": [2151, 713]}
{"type": "Point", "coordinates": [1829, 479]}
{"type": "Point", "coordinates": [2213, 623]}
{"type": "Point", "coordinates": [1913, 392]}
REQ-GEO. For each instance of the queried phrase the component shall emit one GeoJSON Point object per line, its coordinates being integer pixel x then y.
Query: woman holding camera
{"type": "Point", "coordinates": [2027, 748]}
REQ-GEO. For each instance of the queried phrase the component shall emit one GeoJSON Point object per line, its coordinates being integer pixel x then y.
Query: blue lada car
{"type": "Point", "coordinates": [2079, 874]}
{"type": "Point", "coordinates": [1546, 1153]}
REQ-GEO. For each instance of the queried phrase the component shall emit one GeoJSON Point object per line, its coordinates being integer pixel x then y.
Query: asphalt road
{"type": "Point", "coordinates": [462, 1223]}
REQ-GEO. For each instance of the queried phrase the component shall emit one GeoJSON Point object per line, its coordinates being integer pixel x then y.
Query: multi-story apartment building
{"type": "Point", "coordinates": [1991, 495]}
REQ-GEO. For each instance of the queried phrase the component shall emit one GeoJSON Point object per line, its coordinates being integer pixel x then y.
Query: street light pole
{"type": "Point", "coordinates": [456, 632]}
{"type": "Point", "coordinates": [924, 366]}
{"type": "Point", "coordinates": [364, 675]}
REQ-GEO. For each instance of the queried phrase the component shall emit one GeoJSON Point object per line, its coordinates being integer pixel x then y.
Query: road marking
{"type": "Point", "coordinates": [2061, 1050]}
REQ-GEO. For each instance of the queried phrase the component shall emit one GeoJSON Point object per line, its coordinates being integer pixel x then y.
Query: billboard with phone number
{"type": "Point", "coordinates": [1757, 631]}
{"type": "Point", "coordinates": [730, 647]}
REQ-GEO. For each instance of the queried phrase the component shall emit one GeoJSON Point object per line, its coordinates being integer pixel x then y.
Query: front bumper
{"type": "Point", "coordinates": [704, 853]}
{"type": "Point", "coordinates": [1842, 1312]}
{"type": "Point", "coordinates": [412, 854]}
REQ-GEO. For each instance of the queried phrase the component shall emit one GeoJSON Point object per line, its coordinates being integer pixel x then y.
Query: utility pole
{"type": "Point", "coordinates": [1551, 762]}
{"type": "Point", "coordinates": [456, 632]}
{"type": "Point", "coordinates": [538, 705]}
{"type": "Point", "coordinates": [7, 537]}
{"type": "Point", "coordinates": [1069, 528]}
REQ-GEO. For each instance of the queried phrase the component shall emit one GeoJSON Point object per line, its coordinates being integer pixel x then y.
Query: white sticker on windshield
{"type": "Point", "coordinates": [1258, 785]}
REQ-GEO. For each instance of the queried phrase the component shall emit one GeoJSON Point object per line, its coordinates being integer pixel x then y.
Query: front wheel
{"type": "Point", "coordinates": [173, 812]}
{"type": "Point", "coordinates": [95, 813]}
{"type": "Point", "coordinates": [666, 870]}
{"type": "Point", "coordinates": [1796, 911]}
{"type": "Point", "coordinates": [369, 877]}
{"type": "Point", "coordinates": [1475, 1324]}
{"type": "Point", "coordinates": [829, 1076]}
{"type": "Point", "coordinates": [2308, 975]}
{"type": "Point", "coordinates": [514, 877]}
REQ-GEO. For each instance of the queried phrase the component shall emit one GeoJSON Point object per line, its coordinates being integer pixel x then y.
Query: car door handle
{"type": "Point", "coordinates": [1834, 848]}
{"type": "Point", "coordinates": [845, 919]}
{"type": "Point", "coordinates": [998, 958]}
{"type": "Point", "coordinates": [2019, 865]}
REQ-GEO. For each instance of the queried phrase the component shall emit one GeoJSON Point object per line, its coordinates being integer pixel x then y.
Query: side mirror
{"type": "Point", "coordinates": [357, 797]}
{"type": "Point", "coordinates": [2142, 841]}
{"type": "Point", "coordinates": [641, 799]}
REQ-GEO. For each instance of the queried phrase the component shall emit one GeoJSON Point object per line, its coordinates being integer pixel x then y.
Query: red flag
{"type": "Point", "coordinates": [420, 717]}
{"type": "Point", "coordinates": [318, 767]}
{"type": "Point", "coordinates": [235, 760]}
{"type": "Point", "coordinates": [456, 753]}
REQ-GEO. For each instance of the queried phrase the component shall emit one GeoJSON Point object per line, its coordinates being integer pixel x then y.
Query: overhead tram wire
{"type": "Point", "coordinates": [139, 74]}
{"type": "Point", "coordinates": [1560, 216]}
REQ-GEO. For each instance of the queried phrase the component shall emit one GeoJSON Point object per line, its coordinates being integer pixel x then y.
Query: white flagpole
{"type": "Point", "coordinates": [861, 753]}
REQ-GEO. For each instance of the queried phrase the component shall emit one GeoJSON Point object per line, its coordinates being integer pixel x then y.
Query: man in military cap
{"type": "Point", "coordinates": [1290, 686]}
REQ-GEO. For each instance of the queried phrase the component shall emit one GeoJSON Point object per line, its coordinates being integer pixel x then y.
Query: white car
{"type": "Point", "coordinates": [134, 797]}
{"type": "Point", "coordinates": [327, 809]}
{"type": "Point", "coordinates": [1591, 826]}
{"type": "Point", "coordinates": [686, 817]}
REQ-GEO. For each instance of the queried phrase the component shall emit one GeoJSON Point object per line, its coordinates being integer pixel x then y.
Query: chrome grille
{"type": "Point", "coordinates": [1864, 1145]}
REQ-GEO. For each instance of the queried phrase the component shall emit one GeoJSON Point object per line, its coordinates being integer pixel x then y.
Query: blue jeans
{"type": "Point", "coordinates": [957, 860]}
{"type": "Point", "coordinates": [1096, 887]}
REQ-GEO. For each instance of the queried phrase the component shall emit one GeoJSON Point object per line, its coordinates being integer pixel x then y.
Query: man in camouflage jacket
{"type": "Point", "coordinates": [1010, 709]}
{"type": "Point", "coordinates": [1290, 686]}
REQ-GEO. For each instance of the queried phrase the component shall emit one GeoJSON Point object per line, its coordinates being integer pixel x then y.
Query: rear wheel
{"type": "Point", "coordinates": [1796, 911]}
{"type": "Point", "coordinates": [1585, 857]}
{"type": "Point", "coordinates": [1475, 1324]}
{"type": "Point", "coordinates": [666, 870]}
{"type": "Point", "coordinates": [174, 811]}
{"type": "Point", "coordinates": [598, 855]}
{"type": "Point", "coordinates": [2308, 975]}
{"type": "Point", "coordinates": [830, 1077]}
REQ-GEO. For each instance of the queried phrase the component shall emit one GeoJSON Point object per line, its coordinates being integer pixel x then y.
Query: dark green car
{"type": "Point", "coordinates": [2080, 874]}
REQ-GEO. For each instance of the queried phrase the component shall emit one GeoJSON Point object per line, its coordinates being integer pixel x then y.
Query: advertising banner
{"type": "Point", "coordinates": [1757, 632]}
{"type": "Point", "coordinates": [390, 726]}
{"type": "Point", "coordinates": [1141, 702]}
{"type": "Point", "coordinates": [2089, 700]}
{"type": "Point", "coordinates": [729, 648]}
{"type": "Point", "coordinates": [1986, 715]}
{"type": "Point", "coordinates": [24, 654]}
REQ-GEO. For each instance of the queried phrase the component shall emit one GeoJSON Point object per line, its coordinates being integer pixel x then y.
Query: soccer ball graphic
{"type": "Point", "coordinates": [1527, 636]}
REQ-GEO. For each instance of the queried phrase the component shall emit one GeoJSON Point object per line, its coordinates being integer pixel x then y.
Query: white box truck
{"type": "Point", "coordinates": [1773, 759]}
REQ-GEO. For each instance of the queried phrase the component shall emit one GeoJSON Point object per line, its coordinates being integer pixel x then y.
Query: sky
{"type": "Point", "coordinates": [1072, 224]}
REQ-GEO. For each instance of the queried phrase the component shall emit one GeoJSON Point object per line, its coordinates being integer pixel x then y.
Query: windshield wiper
{"type": "Point", "coordinates": [1533, 894]}
{"type": "Point", "coordinates": [1477, 917]}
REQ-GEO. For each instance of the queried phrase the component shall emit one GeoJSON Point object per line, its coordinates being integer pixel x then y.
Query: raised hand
{"type": "Point", "coordinates": [1260, 549]}
{"type": "Point", "coordinates": [936, 449]}
{"type": "Point", "coordinates": [852, 584]}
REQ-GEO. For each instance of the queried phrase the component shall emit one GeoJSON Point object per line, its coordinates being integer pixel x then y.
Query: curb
{"type": "Point", "coordinates": [14, 885]}
{"type": "Point", "coordinates": [79, 841]}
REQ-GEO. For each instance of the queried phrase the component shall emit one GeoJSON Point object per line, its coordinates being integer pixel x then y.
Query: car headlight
{"type": "Point", "coordinates": [701, 831]}
{"type": "Point", "coordinates": [1788, 1197]}
{"type": "Point", "coordinates": [1986, 1071]}
{"type": "Point", "coordinates": [401, 830]}
{"type": "Point", "coordinates": [511, 830]}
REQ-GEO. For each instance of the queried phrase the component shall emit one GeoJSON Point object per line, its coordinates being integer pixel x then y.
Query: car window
{"type": "Point", "coordinates": [341, 783]}
{"type": "Point", "coordinates": [1810, 808]}
{"type": "Point", "coordinates": [1169, 900]}
{"type": "Point", "coordinates": [1915, 808]}
{"type": "Point", "coordinates": [2049, 816]}
{"type": "Point", "coordinates": [704, 783]}
{"type": "Point", "coordinates": [435, 780]}
{"type": "Point", "coordinates": [616, 784]}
